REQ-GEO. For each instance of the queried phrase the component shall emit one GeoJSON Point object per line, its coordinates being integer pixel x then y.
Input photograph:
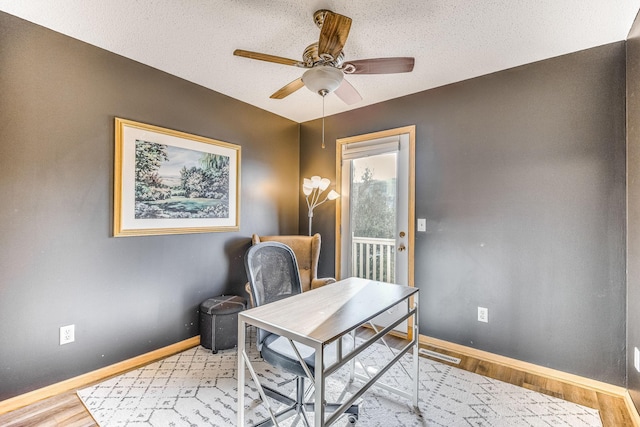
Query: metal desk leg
{"type": "Point", "coordinates": [352, 364]}
{"type": "Point", "coordinates": [416, 348]}
{"type": "Point", "coordinates": [319, 392]}
{"type": "Point", "coordinates": [241, 371]}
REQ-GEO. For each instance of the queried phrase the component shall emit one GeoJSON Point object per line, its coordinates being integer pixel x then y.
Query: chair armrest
{"type": "Point", "coordinates": [247, 288]}
{"type": "Point", "coordinates": [316, 283]}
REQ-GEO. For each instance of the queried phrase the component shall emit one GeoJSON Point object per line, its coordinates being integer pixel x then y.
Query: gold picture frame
{"type": "Point", "coordinates": [172, 182]}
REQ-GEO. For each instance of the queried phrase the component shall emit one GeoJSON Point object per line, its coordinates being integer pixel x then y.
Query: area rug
{"type": "Point", "coordinates": [198, 388]}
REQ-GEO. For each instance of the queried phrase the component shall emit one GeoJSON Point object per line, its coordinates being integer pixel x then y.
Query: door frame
{"type": "Point", "coordinates": [411, 131]}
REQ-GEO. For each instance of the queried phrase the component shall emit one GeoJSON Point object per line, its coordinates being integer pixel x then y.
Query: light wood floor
{"type": "Point", "coordinates": [613, 411]}
{"type": "Point", "coordinates": [67, 410]}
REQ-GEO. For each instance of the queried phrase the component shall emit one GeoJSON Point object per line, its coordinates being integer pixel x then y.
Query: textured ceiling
{"type": "Point", "coordinates": [452, 40]}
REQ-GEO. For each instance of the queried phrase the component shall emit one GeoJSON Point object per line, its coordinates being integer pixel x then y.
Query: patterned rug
{"type": "Point", "coordinates": [198, 388]}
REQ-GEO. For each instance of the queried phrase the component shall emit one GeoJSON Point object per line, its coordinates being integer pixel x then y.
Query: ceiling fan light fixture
{"type": "Point", "coordinates": [322, 79]}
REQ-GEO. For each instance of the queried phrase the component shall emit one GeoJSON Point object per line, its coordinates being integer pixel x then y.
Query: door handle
{"type": "Point", "coordinates": [401, 248]}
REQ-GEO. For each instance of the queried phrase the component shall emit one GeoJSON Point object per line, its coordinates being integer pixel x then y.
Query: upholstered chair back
{"type": "Point", "coordinates": [307, 251]}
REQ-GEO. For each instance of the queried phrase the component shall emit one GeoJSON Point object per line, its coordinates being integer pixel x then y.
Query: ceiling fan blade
{"type": "Point", "coordinates": [265, 57]}
{"type": "Point", "coordinates": [334, 33]}
{"type": "Point", "coordinates": [347, 93]}
{"type": "Point", "coordinates": [379, 66]}
{"type": "Point", "coordinates": [288, 89]}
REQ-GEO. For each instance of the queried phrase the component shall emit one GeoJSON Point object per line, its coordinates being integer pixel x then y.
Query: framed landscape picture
{"type": "Point", "coordinates": [171, 182]}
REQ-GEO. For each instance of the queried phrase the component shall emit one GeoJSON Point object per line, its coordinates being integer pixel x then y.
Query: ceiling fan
{"type": "Point", "coordinates": [325, 62]}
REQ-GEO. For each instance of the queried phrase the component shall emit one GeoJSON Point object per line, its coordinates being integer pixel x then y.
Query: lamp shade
{"type": "Point", "coordinates": [324, 183]}
{"type": "Point", "coordinates": [315, 181]}
{"type": "Point", "coordinates": [322, 79]}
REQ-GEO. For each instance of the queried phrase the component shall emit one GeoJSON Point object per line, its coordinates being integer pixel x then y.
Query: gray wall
{"type": "Point", "coordinates": [59, 263]}
{"type": "Point", "coordinates": [633, 208]}
{"type": "Point", "coordinates": [521, 176]}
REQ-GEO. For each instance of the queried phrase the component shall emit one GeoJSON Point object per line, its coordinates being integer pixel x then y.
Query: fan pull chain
{"type": "Point", "coordinates": [323, 120]}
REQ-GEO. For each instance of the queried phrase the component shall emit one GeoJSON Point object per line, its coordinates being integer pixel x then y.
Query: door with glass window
{"type": "Point", "coordinates": [375, 231]}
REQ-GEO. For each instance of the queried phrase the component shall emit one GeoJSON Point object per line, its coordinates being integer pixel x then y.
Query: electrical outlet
{"type": "Point", "coordinates": [636, 358]}
{"type": "Point", "coordinates": [67, 334]}
{"type": "Point", "coordinates": [483, 314]}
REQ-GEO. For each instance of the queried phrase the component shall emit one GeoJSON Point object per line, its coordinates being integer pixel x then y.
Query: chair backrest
{"type": "Point", "coordinates": [273, 274]}
{"type": "Point", "coordinates": [307, 251]}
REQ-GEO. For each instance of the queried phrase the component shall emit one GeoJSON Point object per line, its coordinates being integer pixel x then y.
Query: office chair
{"type": "Point", "coordinates": [307, 252]}
{"type": "Point", "coordinates": [273, 275]}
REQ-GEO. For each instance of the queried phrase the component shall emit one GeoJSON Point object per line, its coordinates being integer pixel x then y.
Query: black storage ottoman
{"type": "Point", "coordinates": [219, 322]}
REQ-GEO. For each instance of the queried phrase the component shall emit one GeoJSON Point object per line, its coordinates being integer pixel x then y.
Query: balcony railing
{"type": "Point", "coordinates": [373, 259]}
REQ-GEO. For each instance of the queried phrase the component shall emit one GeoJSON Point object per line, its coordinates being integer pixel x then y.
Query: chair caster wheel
{"type": "Point", "coordinates": [351, 420]}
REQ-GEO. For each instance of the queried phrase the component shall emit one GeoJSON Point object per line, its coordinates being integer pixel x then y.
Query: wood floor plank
{"type": "Point", "coordinates": [82, 419]}
{"type": "Point", "coordinates": [581, 396]}
{"type": "Point", "coordinates": [613, 412]}
{"type": "Point", "coordinates": [32, 412]}
{"type": "Point", "coordinates": [468, 363]}
{"type": "Point", "coordinates": [544, 385]}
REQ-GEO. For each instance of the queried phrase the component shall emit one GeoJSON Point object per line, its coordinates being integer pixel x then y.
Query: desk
{"type": "Point", "coordinates": [319, 317]}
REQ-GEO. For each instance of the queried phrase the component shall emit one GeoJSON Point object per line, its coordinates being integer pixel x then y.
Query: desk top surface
{"type": "Point", "coordinates": [327, 313]}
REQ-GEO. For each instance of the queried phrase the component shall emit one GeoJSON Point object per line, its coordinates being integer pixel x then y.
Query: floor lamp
{"type": "Point", "coordinates": [314, 189]}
